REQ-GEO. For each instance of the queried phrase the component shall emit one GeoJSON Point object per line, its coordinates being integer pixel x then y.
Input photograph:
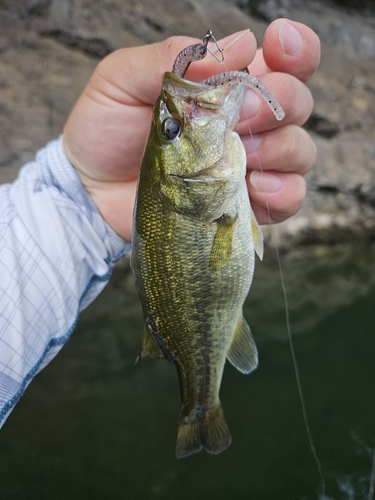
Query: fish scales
{"type": "Point", "coordinates": [193, 250]}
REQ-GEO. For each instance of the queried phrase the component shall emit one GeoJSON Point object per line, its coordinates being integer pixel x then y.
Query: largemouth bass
{"type": "Point", "coordinates": [193, 247]}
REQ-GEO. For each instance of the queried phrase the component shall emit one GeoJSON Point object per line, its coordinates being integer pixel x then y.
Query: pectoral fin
{"type": "Point", "coordinates": [222, 246]}
{"type": "Point", "coordinates": [242, 352]}
{"type": "Point", "coordinates": [150, 348]}
{"type": "Point", "coordinates": [257, 236]}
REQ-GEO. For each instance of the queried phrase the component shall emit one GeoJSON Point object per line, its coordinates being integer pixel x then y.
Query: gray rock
{"type": "Point", "coordinates": [340, 190]}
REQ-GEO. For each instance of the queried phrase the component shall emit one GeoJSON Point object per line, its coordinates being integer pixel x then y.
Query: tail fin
{"type": "Point", "coordinates": [200, 429]}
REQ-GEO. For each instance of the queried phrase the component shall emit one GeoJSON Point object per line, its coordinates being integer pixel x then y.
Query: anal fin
{"type": "Point", "coordinates": [150, 348]}
{"type": "Point", "coordinates": [242, 352]}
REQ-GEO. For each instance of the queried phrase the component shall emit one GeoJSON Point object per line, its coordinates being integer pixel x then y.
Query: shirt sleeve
{"type": "Point", "coordinates": [56, 256]}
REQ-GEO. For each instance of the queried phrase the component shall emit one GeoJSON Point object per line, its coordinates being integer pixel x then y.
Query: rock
{"type": "Point", "coordinates": [49, 48]}
{"type": "Point", "coordinates": [340, 190]}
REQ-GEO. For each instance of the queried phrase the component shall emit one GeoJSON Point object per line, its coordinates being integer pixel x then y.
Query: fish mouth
{"type": "Point", "coordinates": [218, 172]}
{"type": "Point", "coordinates": [204, 179]}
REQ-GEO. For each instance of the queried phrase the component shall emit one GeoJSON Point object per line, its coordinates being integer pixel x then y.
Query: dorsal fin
{"type": "Point", "coordinates": [242, 352]}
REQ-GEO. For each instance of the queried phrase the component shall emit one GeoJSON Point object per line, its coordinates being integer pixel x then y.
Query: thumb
{"type": "Point", "coordinates": [135, 74]}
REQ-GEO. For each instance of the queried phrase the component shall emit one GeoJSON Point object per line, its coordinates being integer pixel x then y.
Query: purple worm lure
{"type": "Point", "coordinates": [199, 51]}
{"type": "Point", "coordinates": [194, 53]}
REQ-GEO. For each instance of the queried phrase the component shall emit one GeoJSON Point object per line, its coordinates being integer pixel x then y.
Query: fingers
{"type": "Point", "coordinates": [287, 149]}
{"type": "Point", "coordinates": [277, 160]}
{"type": "Point", "coordinates": [124, 70]}
{"type": "Point", "coordinates": [293, 96]}
{"type": "Point", "coordinates": [288, 47]}
{"type": "Point", "coordinates": [280, 152]}
{"type": "Point", "coordinates": [282, 193]}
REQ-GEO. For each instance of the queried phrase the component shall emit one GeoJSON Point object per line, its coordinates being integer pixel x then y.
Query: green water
{"type": "Point", "coordinates": [94, 426]}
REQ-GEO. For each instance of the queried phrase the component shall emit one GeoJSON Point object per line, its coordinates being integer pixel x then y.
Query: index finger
{"type": "Point", "coordinates": [126, 68]}
{"type": "Point", "coordinates": [288, 47]}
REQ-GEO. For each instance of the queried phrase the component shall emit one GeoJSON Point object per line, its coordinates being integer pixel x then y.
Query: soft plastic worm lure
{"type": "Point", "coordinates": [199, 51]}
{"type": "Point", "coordinates": [251, 82]}
{"type": "Point", "coordinates": [195, 53]}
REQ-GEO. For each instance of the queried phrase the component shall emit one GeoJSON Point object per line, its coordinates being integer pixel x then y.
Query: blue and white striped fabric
{"type": "Point", "coordinates": [56, 255]}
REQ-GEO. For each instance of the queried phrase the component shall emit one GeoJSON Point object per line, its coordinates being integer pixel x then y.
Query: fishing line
{"type": "Point", "coordinates": [372, 478]}
{"type": "Point", "coordinates": [289, 332]}
{"type": "Point", "coordinates": [290, 337]}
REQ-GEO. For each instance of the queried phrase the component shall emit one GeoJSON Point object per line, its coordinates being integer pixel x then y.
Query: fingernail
{"type": "Point", "coordinates": [251, 104]}
{"type": "Point", "coordinates": [290, 39]}
{"type": "Point", "coordinates": [265, 182]}
{"type": "Point", "coordinates": [251, 142]}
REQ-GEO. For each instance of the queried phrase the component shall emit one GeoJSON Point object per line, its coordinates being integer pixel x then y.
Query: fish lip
{"type": "Point", "coordinates": [194, 178]}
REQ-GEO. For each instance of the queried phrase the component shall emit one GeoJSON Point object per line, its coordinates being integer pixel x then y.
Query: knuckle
{"type": "Point", "coordinates": [170, 43]}
{"type": "Point", "coordinates": [300, 149]}
{"type": "Point", "coordinates": [310, 152]}
{"type": "Point", "coordinates": [293, 204]}
{"type": "Point", "coordinates": [291, 143]}
{"type": "Point", "coordinates": [300, 195]}
{"type": "Point", "coordinates": [174, 44]}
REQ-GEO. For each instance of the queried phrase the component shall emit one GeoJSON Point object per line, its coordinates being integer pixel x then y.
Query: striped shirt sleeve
{"type": "Point", "coordinates": [56, 256]}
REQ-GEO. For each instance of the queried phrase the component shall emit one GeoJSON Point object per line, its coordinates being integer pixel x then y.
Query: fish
{"type": "Point", "coordinates": [194, 242]}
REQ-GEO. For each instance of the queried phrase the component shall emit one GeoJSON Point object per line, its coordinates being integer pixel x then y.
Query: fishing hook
{"type": "Point", "coordinates": [196, 53]}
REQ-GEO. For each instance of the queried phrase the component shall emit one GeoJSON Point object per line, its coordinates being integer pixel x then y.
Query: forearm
{"type": "Point", "coordinates": [56, 255]}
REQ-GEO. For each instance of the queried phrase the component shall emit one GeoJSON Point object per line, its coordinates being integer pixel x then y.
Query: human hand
{"type": "Point", "coordinates": [106, 132]}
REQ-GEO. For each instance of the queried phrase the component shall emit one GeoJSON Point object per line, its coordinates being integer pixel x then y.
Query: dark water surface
{"type": "Point", "coordinates": [94, 426]}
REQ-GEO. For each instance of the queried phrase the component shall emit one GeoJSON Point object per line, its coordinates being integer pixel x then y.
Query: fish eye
{"type": "Point", "coordinates": [171, 128]}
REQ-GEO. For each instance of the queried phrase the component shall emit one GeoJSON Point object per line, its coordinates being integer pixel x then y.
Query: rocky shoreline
{"type": "Point", "coordinates": [49, 48]}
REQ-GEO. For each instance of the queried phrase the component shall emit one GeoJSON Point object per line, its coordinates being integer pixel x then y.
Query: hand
{"type": "Point", "coordinates": [106, 132]}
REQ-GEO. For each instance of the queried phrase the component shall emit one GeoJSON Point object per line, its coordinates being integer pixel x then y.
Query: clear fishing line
{"type": "Point", "coordinates": [289, 329]}
{"type": "Point", "coordinates": [372, 478]}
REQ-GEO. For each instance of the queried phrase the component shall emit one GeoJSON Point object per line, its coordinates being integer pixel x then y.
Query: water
{"type": "Point", "coordinates": [92, 425]}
